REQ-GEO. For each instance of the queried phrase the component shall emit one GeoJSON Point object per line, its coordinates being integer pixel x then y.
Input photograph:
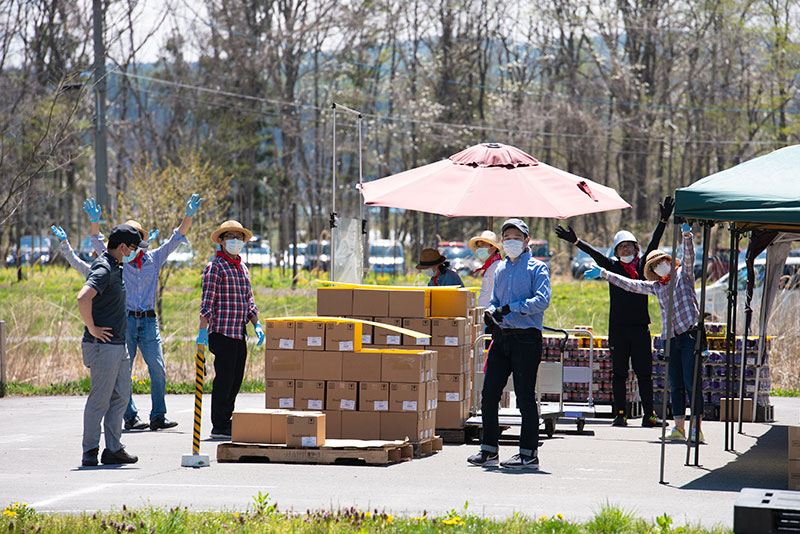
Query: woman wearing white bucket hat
{"type": "Point", "coordinates": [487, 249]}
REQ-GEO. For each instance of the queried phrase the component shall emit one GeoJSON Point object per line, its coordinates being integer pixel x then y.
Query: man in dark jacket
{"type": "Point", "coordinates": [628, 322]}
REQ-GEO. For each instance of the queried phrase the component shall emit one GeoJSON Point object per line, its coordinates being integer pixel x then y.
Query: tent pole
{"type": "Point", "coordinates": [667, 346]}
{"type": "Point", "coordinates": [748, 316]}
{"type": "Point", "coordinates": [697, 383]}
{"type": "Point", "coordinates": [730, 336]}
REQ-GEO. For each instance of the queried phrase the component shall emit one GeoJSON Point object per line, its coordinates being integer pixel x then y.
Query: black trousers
{"type": "Point", "coordinates": [517, 354]}
{"type": "Point", "coordinates": [230, 356]}
{"type": "Point", "coordinates": [631, 346]}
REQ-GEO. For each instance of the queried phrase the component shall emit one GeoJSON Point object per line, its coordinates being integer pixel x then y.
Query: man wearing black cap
{"type": "Point", "coordinates": [520, 295]}
{"type": "Point", "coordinates": [101, 302]}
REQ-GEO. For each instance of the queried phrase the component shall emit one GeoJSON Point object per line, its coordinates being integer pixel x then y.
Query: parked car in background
{"type": "Point", "coordinates": [32, 249]}
{"type": "Point", "coordinates": [85, 250]}
{"type": "Point", "coordinates": [182, 254]}
{"type": "Point", "coordinates": [257, 254]}
{"type": "Point", "coordinates": [540, 249]}
{"type": "Point", "coordinates": [386, 256]}
{"type": "Point", "coordinates": [288, 256]}
{"type": "Point", "coordinates": [460, 256]}
{"type": "Point", "coordinates": [582, 261]}
{"type": "Point", "coordinates": [318, 255]}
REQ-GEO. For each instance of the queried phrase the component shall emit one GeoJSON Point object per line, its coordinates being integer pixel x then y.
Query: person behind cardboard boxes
{"type": "Point", "coordinates": [226, 306]}
{"type": "Point", "coordinates": [433, 264]}
{"type": "Point", "coordinates": [141, 281]}
{"type": "Point", "coordinates": [487, 249]}
{"type": "Point", "coordinates": [629, 339]}
{"type": "Point", "coordinates": [516, 311]}
{"type": "Point", "coordinates": [684, 322]}
{"type": "Point", "coordinates": [101, 303]}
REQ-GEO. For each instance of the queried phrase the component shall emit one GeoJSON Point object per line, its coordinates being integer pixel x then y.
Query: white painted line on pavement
{"type": "Point", "coordinates": [76, 493]}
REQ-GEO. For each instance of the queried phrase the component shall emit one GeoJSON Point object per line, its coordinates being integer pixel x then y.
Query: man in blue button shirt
{"type": "Point", "coordinates": [516, 310]}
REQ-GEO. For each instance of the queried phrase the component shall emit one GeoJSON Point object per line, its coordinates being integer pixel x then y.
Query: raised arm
{"type": "Point", "coordinates": [628, 284]}
{"type": "Point", "coordinates": [665, 210]}
{"type": "Point", "coordinates": [570, 236]}
{"type": "Point", "coordinates": [69, 253]}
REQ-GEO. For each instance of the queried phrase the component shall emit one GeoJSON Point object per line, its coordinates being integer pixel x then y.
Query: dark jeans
{"type": "Point", "coordinates": [229, 358]}
{"type": "Point", "coordinates": [517, 354]}
{"type": "Point", "coordinates": [681, 373]}
{"type": "Point", "coordinates": [631, 345]}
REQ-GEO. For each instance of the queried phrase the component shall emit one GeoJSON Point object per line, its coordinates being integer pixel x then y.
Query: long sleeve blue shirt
{"type": "Point", "coordinates": [141, 283]}
{"type": "Point", "coordinates": [523, 284]}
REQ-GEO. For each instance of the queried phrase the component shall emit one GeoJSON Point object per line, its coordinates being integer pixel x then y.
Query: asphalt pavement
{"type": "Point", "coordinates": [40, 452]}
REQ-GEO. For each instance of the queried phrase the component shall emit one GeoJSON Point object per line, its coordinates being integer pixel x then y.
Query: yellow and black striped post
{"type": "Point", "coordinates": [196, 459]}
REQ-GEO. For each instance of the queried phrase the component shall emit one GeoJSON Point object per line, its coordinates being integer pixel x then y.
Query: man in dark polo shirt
{"type": "Point", "coordinates": [101, 302]}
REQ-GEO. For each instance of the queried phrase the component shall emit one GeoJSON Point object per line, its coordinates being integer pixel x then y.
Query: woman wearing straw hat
{"type": "Point", "coordinates": [684, 319]}
{"type": "Point", "coordinates": [433, 264]}
{"type": "Point", "coordinates": [488, 250]}
{"type": "Point", "coordinates": [226, 306]}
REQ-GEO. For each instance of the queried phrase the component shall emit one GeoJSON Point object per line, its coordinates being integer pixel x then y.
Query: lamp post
{"type": "Point", "coordinates": [100, 135]}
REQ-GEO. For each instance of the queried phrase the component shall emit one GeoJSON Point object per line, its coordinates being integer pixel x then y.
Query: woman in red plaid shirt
{"type": "Point", "coordinates": [226, 306]}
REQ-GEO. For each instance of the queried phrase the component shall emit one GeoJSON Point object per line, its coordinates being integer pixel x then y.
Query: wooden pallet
{"type": "Point", "coordinates": [335, 451]}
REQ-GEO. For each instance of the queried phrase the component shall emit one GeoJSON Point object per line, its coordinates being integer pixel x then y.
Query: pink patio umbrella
{"type": "Point", "coordinates": [492, 180]}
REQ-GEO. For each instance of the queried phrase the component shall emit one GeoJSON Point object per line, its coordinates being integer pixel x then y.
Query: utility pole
{"type": "Point", "coordinates": [100, 136]}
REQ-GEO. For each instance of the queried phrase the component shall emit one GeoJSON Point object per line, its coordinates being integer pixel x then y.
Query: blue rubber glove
{"type": "Point", "coordinates": [153, 235]}
{"type": "Point", "coordinates": [259, 333]}
{"type": "Point", "coordinates": [59, 232]}
{"type": "Point", "coordinates": [202, 337]}
{"type": "Point", "coordinates": [594, 271]}
{"type": "Point", "coordinates": [685, 228]}
{"type": "Point", "coordinates": [193, 204]}
{"type": "Point", "coordinates": [92, 209]}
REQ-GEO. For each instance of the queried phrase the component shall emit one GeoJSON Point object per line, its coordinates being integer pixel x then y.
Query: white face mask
{"type": "Point", "coordinates": [513, 247]}
{"type": "Point", "coordinates": [234, 246]}
{"type": "Point", "coordinates": [482, 254]}
{"type": "Point", "coordinates": [662, 269]}
{"type": "Point", "coordinates": [429, 272]}
{"type": "Point", "coordinates": [627, 259]}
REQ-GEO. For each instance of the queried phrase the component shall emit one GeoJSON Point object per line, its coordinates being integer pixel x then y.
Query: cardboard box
{"type": "Point", "coordinates": [794, 443]}
{"type": "Point", "coordinates": [417, 325]}
{"type": "Point", "coordinates": [341, 395]}
{"type": "Point", "coordinates": [322, 365]}
{"type": "Point", "coordinates": [366, 330]}
{"type": "Point", "coordinates": [371, 302]}
{"type": "Point", "coordinates": [333, 424]}
{"type": "Point", "coordinates": [362, 366]}
{"type": "Point", "coordinates": [373, 397]}
{"type": "Point", "coordinates": [452, 387]}
{"type": "Point", "coordinates": [309, 335]}
{"type": "Point", "coordinates": [280, 394]}
{"type": "Point", "coordinates": [449, 332]}
{"type": "Point", "coordinates": [451, 414]}
{"type": "Point", "coordinates": [432, 394]}
{"type": "Point", "coordinates": [793, 482]}
{"type": "Point", "coordinates": [404, 366]}
{"type": "Point", "coordinates": [361, 425]}
{"type": "Point", "coordinates": [305, 429]}
{"type": "Point", "coordinates": [452, 360]}
{"type": "Point", "coordinates": [383, 336]}
{"type": "Point", "coordinates": [747, 413]}
{"type": "Point", "coordinates": [451, 302]}
{"type": "Point", "coordinates": [343, 336]}
{"type": "Point", "coordinates": [309, 394]}
{"type": "Point", "coordinates": [279, 334]}
{"type": "Point", "coordinates": [407, 397]}
{"type": "Point", "coordinates": [252, 426]}
{"type": "Point", "coordinates": [409, 425]}
{"type": "Point", "coordinates": [334, 302]}
{"type": "Point", "coordinates": [279, 425]}
{"type": "Point", "coordinates": [409, 303]}
{"type": "Point", "coordinates": [286, 364]}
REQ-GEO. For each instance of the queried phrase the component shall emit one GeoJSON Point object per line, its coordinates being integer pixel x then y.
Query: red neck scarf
{"type": "Point", "coordinates": [138, 259]}
{"type": "Point", "coordinates": [236, 261]}
{"type": "Point", "coordinates": [665, 280]}
{"type": "Point", "coordinates": [632, 268]}
{"type": "Point", "coordinates": [487, 264]}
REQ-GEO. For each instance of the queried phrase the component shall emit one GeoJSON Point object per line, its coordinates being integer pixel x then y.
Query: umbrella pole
{"type": "Point", "coordinates": [667, 347]}
{"type": "Point", "coordinates": [333, 197]}
{"type": "Point", "coordinates": [698, 351]}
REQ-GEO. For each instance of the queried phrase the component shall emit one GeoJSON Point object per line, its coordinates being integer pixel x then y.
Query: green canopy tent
{"type": "Point", "coordinates": [761, 196]}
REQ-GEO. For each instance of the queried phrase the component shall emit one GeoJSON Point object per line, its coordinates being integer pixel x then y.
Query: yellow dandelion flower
{"type": "Point", "coordinates": [9, 513]}
{"type": "Point", "coordinates": [389, 518]}
{"type": "Point", "coordinates": [543, 518]}
{"type": "Point", "coordinates": [560, 517]}
{"type": "Point", "coordinates": [368, 514]}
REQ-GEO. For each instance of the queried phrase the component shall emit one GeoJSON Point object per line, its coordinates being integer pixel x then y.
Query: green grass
{"type": "Point", "coordinates": [263, 516]}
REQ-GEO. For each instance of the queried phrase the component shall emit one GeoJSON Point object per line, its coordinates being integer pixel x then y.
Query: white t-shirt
{"type": "Point", "coordinates": [487, 284]}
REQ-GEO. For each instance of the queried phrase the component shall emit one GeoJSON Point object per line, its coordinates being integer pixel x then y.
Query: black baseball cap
{"type": "Point", "coordinates": [127, 235]}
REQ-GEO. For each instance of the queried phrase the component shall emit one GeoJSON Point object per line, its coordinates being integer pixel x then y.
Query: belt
{"type": "Point", "coordinates": [145, 313]}
{"type": "Point", "coordinates": [517, 331]}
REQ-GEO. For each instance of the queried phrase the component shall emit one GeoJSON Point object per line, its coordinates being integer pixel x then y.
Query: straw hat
{"type": "Point", "coordinates": [429, 257]}
{"type": "Point", "coordinates": [231, 226]}
{"type": "Point", "coordinates": [487, 236]}
{"type": "Point", "coordinates": [138, 227]}
{"type": "Point", "coordinates": [653, 259]}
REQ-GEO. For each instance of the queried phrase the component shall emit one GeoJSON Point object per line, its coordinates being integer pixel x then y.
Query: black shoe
{"type": "Point", "coordinates": [483, 459]}
{"type": "Point", "coordinates": [223, 433]}
{"type": "Point", "coordinates": [119, 457]}
{"type": "Point", "coordinates": [90, 458]}
{"type": "Point", "coordinates": [650, 422]}
{"type": "Point", "coordinates": [136, 424]}
{"type": "Point", "coordinates": [162, 422]}
{"type": "Point", "coordinates": [620, 420]}
{"type": "Point", "coordinates": [522, 461]}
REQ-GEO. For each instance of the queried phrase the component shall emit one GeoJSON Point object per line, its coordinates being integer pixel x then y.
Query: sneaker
{"type": "Point", "coordinates": [484, 459]}
{"type": "Point", "coordinates": [522, 461]}
{"type": "Point", "coordinates": [676, 434]}
{"type": "Point", "coordinates": [220, 434]}
{"type": "Point", "coordinates": [162, 422]}
{"type": "Point", "coordinates": [620, 420]}
{"type": "Point", "coordinates": [650, 422]}
{"type": "Point", "coordinates": [119, 457]}
{"type": "Point", "coordinates": [90, 458]}
{"type": "Point", "coordinates": [136, 424]}
{"type": "Point", "coordinates": [693, 436]}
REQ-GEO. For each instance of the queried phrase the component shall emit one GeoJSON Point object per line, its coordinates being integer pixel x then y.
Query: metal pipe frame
{"type": "Point", "coordinates": [667, 347]}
